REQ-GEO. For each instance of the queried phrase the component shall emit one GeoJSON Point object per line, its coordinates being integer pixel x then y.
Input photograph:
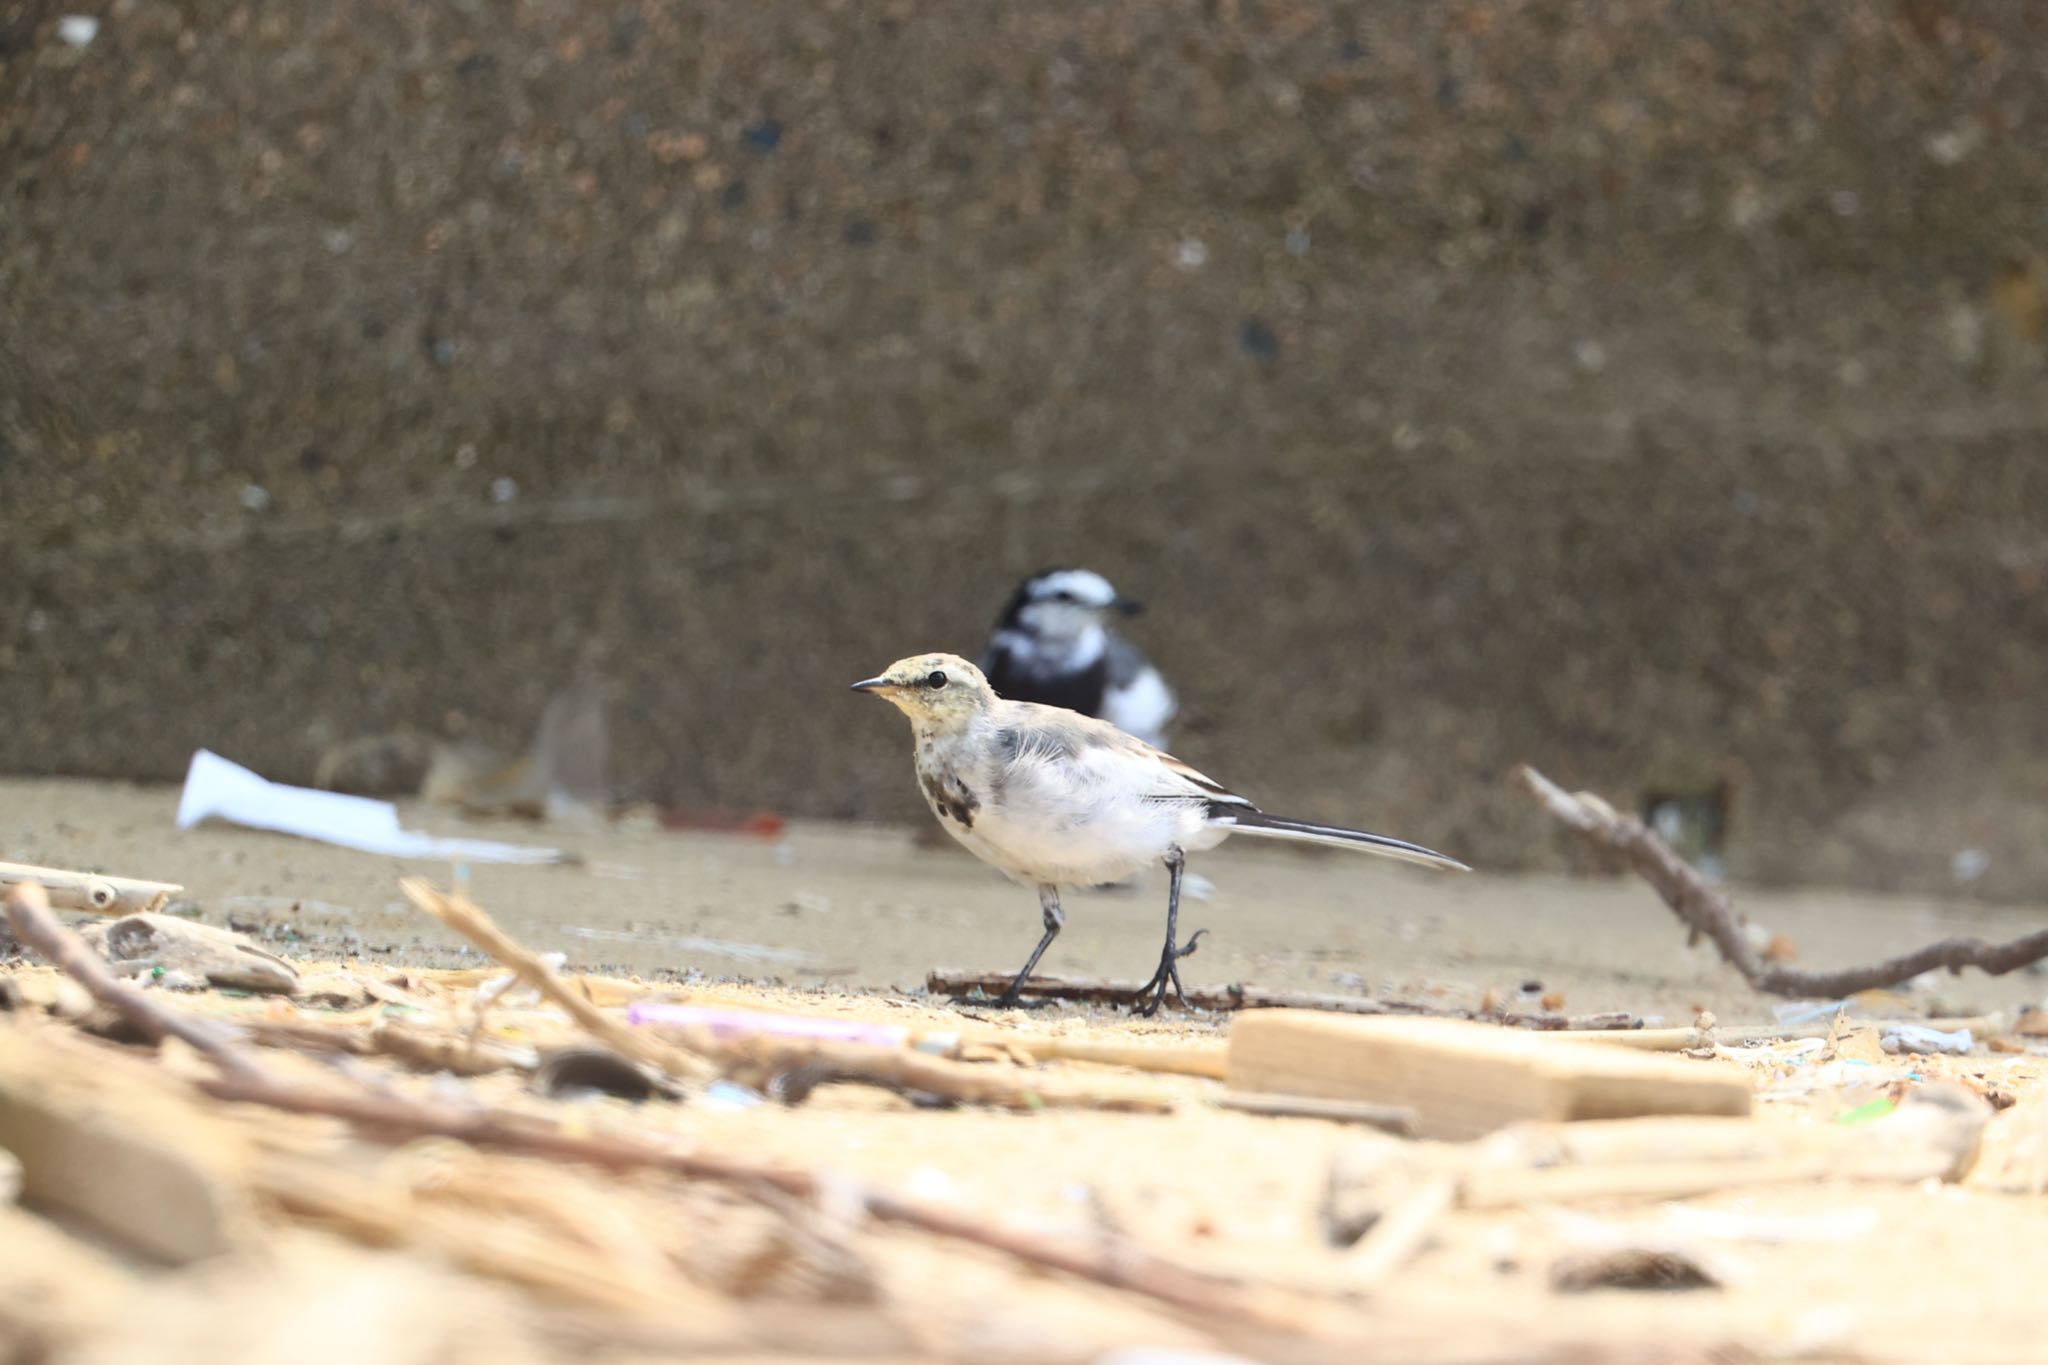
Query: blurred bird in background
{"type": "Point", "coordinates": [563, 774]}
{"type": "Point", "coordinates": [1056, 644]}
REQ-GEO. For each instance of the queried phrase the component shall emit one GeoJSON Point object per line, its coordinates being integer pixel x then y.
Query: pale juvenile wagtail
{"type": "Point", "coordinates": [1052, 798]}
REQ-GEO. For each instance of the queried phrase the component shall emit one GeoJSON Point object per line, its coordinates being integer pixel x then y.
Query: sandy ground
{"type": "Point", "coordinates": [1872, 1272]}
{"type": "Point", "coordinates": [1901, 1273]}
{"type": "Point", "coordinates": [1821, 1271]}
{"type": "Point", "coordinates": [870, 907]}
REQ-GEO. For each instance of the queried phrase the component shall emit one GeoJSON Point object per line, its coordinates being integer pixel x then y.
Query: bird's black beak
{"type": "Point", "coordinates": [1124, 606]}
{"type": "Point", "coordinates": [871, 684]}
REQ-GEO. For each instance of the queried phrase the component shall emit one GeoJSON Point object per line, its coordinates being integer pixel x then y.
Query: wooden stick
{"type": "Point", "coordinates": [29, 916]}
{"type": "Point", "coordinates": [950, 981]}
{"type": "Point", "coordinates": [1660, 1180]}
{"type": "Point", "coordinates": [1175, 1059]}
{"type": "Point", "coordinates": [1683, 1039]}
{"type": "Point", "coordinates": [458, 1053]}
{"type": "Point", "coordinates": [1707, 911]}
{"type": "Point", "coordinates": [1391, 1118]}
{"type": "Point", "coordinates": [104, 895]}
{"type": "Point", "coordinates": [507, 1249]}
{"type": "Point", "coordinates": [758, 1059]}
{"type": "Point", "coordinates": [1401, 1232]}
{"type": "Point", "coordinates": [467, 918]}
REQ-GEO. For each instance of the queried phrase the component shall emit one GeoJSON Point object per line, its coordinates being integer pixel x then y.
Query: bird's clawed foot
{"type": "Point", "coordinates": [1167, 975]}
{"type": "Point", "coordinates": [1013, 999]}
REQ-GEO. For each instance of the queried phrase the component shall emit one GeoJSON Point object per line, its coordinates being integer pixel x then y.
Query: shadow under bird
{"type": "Point", "coordinates": [1052, 798]}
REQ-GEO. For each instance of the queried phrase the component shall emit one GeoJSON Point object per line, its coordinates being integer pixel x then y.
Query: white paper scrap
{"type": "Point", "coordinates": [216, 789]}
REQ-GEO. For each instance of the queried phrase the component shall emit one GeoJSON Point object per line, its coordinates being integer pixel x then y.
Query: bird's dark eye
{"type": "Point", "coordinates": [936, 680]}
{"type": "Point", "coordinates": [1063, 597]}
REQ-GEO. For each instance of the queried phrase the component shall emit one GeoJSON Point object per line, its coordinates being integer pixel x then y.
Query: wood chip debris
{"type": "Point", "coordinates": [406, 1142]}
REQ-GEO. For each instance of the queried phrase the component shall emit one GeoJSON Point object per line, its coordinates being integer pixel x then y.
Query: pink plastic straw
{"type": "Point", "coordinates": [741, 1023]}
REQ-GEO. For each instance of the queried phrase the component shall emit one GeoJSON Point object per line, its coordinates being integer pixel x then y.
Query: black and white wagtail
{"type": "Point", "coordinates": [1055, 645]}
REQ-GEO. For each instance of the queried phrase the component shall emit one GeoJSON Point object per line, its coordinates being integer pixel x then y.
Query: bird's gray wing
{"type": "Point", "coordinates": [1125, 661]}
{"type": "Point", "coordinates": [1030, 735]}
{"type": "Point", "coordinates": [1185, 782]}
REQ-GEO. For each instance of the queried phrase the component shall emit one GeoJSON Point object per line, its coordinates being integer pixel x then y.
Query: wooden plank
{"type": "Point", "coordinates": [1466, 1079]}
{"type": "Point", "coordinates": [114, 1144]}
{"type": "Point", "coordinates": [1181, 1059]}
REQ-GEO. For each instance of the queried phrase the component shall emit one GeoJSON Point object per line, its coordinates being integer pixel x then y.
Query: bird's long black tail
{"type": "Point", "coordinates": [1245, 820]}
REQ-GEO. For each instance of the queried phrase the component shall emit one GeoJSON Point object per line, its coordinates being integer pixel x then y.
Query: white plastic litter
{"type": "Point", "coordinates": [216, 789]}
{"type": "Point", "coordinates": [1806, 1011]}
{"type": "Point", "coordinates": [501, 985]}
{"type": "Point", "coordinates": [726, 1096]}
{"type": "Point", "coordinates": [1920, 1038]}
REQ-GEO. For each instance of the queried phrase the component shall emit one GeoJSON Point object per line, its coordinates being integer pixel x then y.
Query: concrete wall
{"type": "Point", "coordinates": [1650, 390]}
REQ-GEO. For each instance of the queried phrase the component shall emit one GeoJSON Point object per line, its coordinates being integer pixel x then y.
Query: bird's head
{"type": "Point", "coordinates": [932, 689]}
{"type": "Point", "coordinates": [1061, 605]}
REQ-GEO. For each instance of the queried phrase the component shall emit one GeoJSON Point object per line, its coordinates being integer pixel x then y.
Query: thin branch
{"type": "Point", "coordinates": [758, 1058]}
{"type": "Point", "coordinates": [467, 918]}
{"type": "Point", "coordinates": [1706, 910]}
{"type": "Point", "coordinates": [30, 917]}
{"type": "Point", "coordinates": [1397, 1119]}
{"type": "Point", "coordinates": [244, 1078]}
{"type": "Point", "coordinates": [1401, 1231]}
{"type": "Point", "coordinates": [1100, 991]}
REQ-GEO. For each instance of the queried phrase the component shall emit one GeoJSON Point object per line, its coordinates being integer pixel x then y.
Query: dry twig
{"type": "Point", "coordinates": [1398, 1119]}
{"type": "Point", "coordinates": [1205, 1059]}
{"type": "Point", "coordinates": [29, 916]}
{"type": "Point", "coordinates": [1100, 991]}
{"type": "Point", "coordinates": [467, 918]}
{"type": "Point", "coordinates": [1747, 1035]}
{"type": "Point", "coordinates": [1706, 910]}
{"type": "Point", "coordinates": [1401, 1231]}
{"type": "Point", "coordinates": [760, 1058]}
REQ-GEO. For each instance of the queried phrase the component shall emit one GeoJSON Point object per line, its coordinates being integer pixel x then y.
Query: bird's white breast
{"type": "Point", "coordinates": [1078, 818]}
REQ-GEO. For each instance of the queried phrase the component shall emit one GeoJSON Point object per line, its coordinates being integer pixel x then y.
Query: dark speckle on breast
{"type": "Point", "coordinates": [951, 800]}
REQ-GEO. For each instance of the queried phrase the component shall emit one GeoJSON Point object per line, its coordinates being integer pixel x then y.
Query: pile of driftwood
{"type": "Point", "coordinates": [219, 1154]}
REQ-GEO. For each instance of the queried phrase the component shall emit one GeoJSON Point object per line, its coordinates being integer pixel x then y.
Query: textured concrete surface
{"type": "Point", "coordinates": [1650, 390]}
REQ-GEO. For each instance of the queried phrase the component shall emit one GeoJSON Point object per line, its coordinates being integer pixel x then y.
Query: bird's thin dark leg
{"type": "Point", "coordinates": [1055, 919]}
{"type": "Point", "coordinates": [1170, 956]}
